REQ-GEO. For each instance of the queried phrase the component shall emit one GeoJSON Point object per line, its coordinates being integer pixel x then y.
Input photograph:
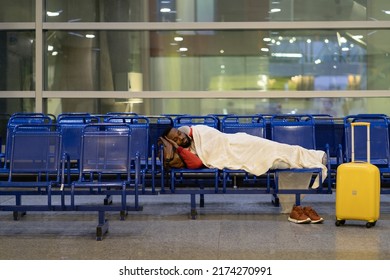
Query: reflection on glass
{"type": "Point", "coordinates": [12, 105]}
{"type": "Point", "coordinates": [215, 10]}
{"type": "Point", "coordinates": [91, 60]}
{"type": "Point", "coordinates": [94, 11]}
{"type": "Point", "coordinates": [17, 52]}
{"type": "Point", "coordinates": [212, 60]}
{"type": "Point", "coordinates": [337, 107]}
{"type": "Point", "coordinates": [17, 10]}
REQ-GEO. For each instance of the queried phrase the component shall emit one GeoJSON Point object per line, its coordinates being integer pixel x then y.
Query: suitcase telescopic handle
{"type": "Point", "coordinates": [366, 124]}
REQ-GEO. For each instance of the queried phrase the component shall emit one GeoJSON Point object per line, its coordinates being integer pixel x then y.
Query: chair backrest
{"type": "Point", "coordinates": [72, 127]}
{"type": "Point", "coordinates": [325, 133]}
{"type": "Point", "coordinates": [36, 149]}
{"type": "Point", "coordinates": [19, 119]}
{"type": "Point", "coordinates": [28, 114]}
{"type": "Point", "coordinates": [189, 120]}
{"type": "Point", "coordinates": [379, 139]}
{"type": "Point", "coordinates": [73, 114]}
{"type": "Point", "coordinates": [140, 134]}
{"type": "Point", "coordinates": [294, 130]}
{"type": "Point", "coordinates": [121, 114]}
{"type": "Point", "coordinates": [220, 117]}
{"type": "Point", "coordinates": [106, 149]}
{"type": "Point", "coordinates": [157, 126]}
{"type": "Point", "coordinates": [251, 124]}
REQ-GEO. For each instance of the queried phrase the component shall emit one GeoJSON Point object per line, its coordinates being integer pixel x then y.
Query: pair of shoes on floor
{"type": "Point", "coordinates": [304, 215]}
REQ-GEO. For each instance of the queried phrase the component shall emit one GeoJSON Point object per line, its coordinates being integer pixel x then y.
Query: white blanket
{"type": "Point", "coordinates": [253, 154]}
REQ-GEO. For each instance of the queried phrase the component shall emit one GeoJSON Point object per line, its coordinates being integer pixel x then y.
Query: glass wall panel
{"type": "Point", "coordinates": [213, 60]}
{"type": "Point", "coordinates": [95, 10]}
{"type": "Point", "coordinates": [215, 10]}
{"type": "Point", "coordinates": [94, 60]}
{"type": "Point", "coordinates": [337, 107]}
{"type": "Point", "coordinates": [12, 105]}
{"type": "Point", "coordinates": [17, 55]}
{"type": "Point", "coordinates": [17, 10]}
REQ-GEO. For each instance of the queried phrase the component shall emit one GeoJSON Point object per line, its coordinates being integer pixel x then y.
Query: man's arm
{"type": "Point", "coordinates": [191, 160]}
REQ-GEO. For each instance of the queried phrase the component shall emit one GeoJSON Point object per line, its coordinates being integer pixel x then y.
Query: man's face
{"type": "Point", "coordinates": [179, 137]}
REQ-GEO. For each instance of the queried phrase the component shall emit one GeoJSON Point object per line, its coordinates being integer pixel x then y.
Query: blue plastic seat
{"type": "Point", "coordinates": [15, 120]}
{"type": "Point", "coordinates": [379, 139]}
{"type": "Point", "coordinates": [250, 124]}
{"type": "Point", "coordinates": [35, 167]}
{"type": "Point", "coordinates": [157, 126]}
{"type": "Point", "coordinates": [194, 181]}
{"type": "Point", "coordinates": [329, 135]}
{"type": "Point", "coordinates": [106, 170]}
{"type": "Point", "coordinates": [298, 130]}
{"type": "Point", "coordinates": [72, 126]}
{"type": "Point", "coordinates": [139, 145]}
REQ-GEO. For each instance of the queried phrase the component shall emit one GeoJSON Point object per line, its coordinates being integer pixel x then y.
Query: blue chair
{"type": "Point", "coordinates": [195, 181]}
{"type": "Point", "coordinates": [121, 114]}
{"type": "Point", "coordinates": [18, 119]}
{"type": "Point", "coordinates": [379, 139]}
{"type": "Point", "coordinates": [157, 125]}
{"type": "Point", "coordinates": [72, 126]}
{"type": "Point", "coordinates": [35, 167]}
{"type": "Point", "coordinates": [139, 145]}
{"type": "Point", "coordinates": [28, 114]}
{"type": "Point", "coordinates": [72, 114]}
{"type": "Point", "coordinates": [329, 135]}
{"type": "Point", "coordinates": [251, 124]}
{"type": "Point", "coordinates": [298, 130]}
{"type": "Point", "coordinates": [106, 169]}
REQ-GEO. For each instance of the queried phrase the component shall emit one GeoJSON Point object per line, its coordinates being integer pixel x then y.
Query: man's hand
{"type": "Point", "coordinates": [174, 144]}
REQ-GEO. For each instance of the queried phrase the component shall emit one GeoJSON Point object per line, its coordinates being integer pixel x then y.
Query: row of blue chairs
{"type": "Point", "coordinates": [90, 154]}
{"type": "Point", "coordinates": [38, 165]}
{"type": "Point", "coordinates": [322, 132]}
{"type": "Point", "coordinates": [289, 129]}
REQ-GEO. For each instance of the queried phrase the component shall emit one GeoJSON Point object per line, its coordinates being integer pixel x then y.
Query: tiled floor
{"type": "Point", "coordinates": [228, 227]}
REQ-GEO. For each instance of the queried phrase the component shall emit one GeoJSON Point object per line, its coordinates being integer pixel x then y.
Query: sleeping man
{"type": "Point", "coordinates": [204, 146]}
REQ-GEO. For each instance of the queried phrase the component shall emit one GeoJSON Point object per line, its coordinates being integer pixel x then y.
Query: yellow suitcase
{"type": "Point", "coordinates": [358, 187]}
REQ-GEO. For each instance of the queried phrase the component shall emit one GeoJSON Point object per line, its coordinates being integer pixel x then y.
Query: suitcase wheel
{"type": "Point", "coordinates": [370, 224]}
{"type": "Point", "coordinates": [340, 223]}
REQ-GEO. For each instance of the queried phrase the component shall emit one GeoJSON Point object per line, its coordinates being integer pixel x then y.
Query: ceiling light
{"type": "Point", "coordinates": [165, 10]}
{"type": "Point", "coordinates": [292, 55]}
{"type": "Point", "coordinates": [275, 10]}
{"type": "Point", "coordinates": [90, 36]}
{"type": "Point", "coordinates": [178, 39]}
{"type": "Point", "coordinates": [53, 14]}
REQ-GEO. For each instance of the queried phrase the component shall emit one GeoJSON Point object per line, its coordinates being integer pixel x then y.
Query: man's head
{"type": "Point", "coordinates": [178, 136]}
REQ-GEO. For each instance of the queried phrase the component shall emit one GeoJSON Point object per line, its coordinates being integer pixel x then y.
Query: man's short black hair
{"type": "Point", "coordinates": [166, 131]}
